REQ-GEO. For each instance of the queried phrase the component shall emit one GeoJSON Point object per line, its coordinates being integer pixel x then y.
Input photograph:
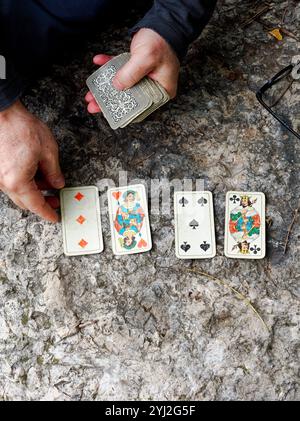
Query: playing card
{"type": "Point", "coordinates": [158, 96]}
{"type": "Point", "coordinates": [146, 89]}
{"type": "Point", "coordinates": [118, 107]}
{"type": "Point", "coordinates": [81, 224]}
{"type": "Point", "coordinates": [245, 229]}
{"type": "Point", "coordinates": [129, 220]}
{"type": "Point", "coordinates": [194, 225]}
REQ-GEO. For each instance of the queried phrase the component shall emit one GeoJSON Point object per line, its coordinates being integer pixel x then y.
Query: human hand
{"type": "Point", "coordinates": [27, 146]}
{"type": "Point", "coordinates": [150, 55]}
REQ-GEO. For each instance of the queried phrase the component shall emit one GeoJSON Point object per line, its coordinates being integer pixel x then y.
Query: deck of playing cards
{"type": "Point", "coordinates": [245, 229]}
{"type": "Point", "coordinates": [123, 107]}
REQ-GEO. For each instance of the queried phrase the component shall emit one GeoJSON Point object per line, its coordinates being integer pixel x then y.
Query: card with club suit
{"type": "Point", "coordinates": [81, 222]}
{"type": "Point", "coordinates": [245, 230]}
{"type": "Point", "coordinates": [194, 225]}
{"type": "Point", "coordinates": [129, 219]}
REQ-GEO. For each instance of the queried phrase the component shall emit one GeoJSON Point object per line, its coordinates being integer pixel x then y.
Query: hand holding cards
{"type": "Point", "coordinates": [123, 107]}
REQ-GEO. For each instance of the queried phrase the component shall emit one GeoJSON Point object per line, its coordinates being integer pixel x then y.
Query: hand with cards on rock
{"type": "Point", "coordinates": [151, 55]}
{"type": "Point", "coordinates": [27, 146]}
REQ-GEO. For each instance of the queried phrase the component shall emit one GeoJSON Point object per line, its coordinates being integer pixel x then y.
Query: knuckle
{"type": "Point", "coordinates": [151, 57]}
{"type": "Point", "coordinates": [51, 146]}
{"type": "Point", "coordinates": [38, 208]}
{"type": "Point", "coordinates": [52, 176]}
{"type": "Point", "coordinates": [54, 147]}
{"type": "Point", "coordinates": [10, 183]}
{"type": "Point", "coordinates": [128, 79]}
{"type": "Point", "coordinates": [50, 155]}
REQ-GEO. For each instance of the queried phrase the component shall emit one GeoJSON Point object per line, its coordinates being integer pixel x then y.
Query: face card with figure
{"type": "Point", "coordinates": [118, 107]}
{"type": "Point", "coordinates": [245, 231]}
{"type": "Point", "coordinates": [81, 222]}
{"type": "Point", "coordinates": [194, 225]}
{"type": "Point", "coordinates": [129, 219]}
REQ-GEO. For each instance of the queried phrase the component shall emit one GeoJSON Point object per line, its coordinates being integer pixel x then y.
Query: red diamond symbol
{"type": "Point", "coordinates": [80, 219]}
{"type": "Point", "coordinates": [82, 243]}
{"type": "Point", "coordinates": [79, 196]}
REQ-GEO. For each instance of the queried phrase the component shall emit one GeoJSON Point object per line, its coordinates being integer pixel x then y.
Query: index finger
{"type": "Point", "coordinates": [35, 202]}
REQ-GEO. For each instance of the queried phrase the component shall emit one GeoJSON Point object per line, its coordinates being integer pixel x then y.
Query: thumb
{"type": "Point", "coordinates": [50, 168]}
{"type": "Point", "coordinates": [132, 72]}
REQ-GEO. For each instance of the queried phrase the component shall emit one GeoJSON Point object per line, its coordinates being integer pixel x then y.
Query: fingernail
{"type": "Point", "coordinates": [59, 182]}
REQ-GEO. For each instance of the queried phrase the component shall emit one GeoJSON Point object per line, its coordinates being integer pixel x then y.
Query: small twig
{"type": "Point", "coordinates": [289, 34]}
{"type": "Point", "coordinates": [77, 329]}
{"type": "Point", "coordinates": [235, 291]}
{"type": "Point", "coordinates": [284, 15]}
{"type": "Point", "coordinates": [257, 14]}
{"type": "Point", "coordinates": [290, 230]}
{"type": "Point", "coordinates": [144, 159]}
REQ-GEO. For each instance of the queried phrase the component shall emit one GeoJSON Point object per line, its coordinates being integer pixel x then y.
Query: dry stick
{"type": "Point", "coordinates": [259, 13]}
{"type": "Point", "coordinates": [144, 159]}
{"type": "Point", "coordinates": [290, 230]}
{"type": "Point", "coordinates": [289, 34]}
{"type": "Point", "coordinates": [284, 15]}
{"type": "Point", "coordinates": [235, 291]}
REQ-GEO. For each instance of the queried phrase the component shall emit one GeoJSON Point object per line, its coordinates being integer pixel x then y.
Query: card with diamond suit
{"type": "Point", "coordinates": [81, 223]}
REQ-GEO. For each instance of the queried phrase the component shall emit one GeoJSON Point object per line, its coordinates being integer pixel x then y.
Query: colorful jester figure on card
{"type": "Point", "coordinates": [244, 224]}
{"type": "Point", "coordinates": [129, 220]}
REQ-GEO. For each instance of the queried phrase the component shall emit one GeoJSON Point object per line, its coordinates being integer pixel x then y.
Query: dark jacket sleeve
{"type": "Point", "coordinates": [10, 88]}
{"type": "Point", "coordinates": [179, 22]}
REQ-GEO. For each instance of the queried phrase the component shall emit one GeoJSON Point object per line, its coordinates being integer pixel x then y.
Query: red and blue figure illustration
{"type": "Point", "coordinates": [244, 224]}
{"type": "Point", "coordinates": [129, 220]}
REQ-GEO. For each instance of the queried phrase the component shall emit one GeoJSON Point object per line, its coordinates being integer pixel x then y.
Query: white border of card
{"type": "Point", "coordinates": [129, 219]}
{"type": "Point", "coordinates": [238, 243]}
{"type": "Point", "coordinates": [194, 225]}
{"type": "Point", "coordinates": [81, 222]}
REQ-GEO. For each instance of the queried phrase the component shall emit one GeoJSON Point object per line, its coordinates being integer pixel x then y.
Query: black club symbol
{"type": "Point", "coordinates": [183, 201]}
{"type": "Point", "coordinates": [202, 201]}
{"type": "Point", "coordinates": [255, 249]}
{"type": "Point", "coordinates": [235, 198]}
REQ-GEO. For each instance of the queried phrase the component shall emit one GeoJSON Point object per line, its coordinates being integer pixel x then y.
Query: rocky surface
{"type": "Point", "coordinates": [143, 327]}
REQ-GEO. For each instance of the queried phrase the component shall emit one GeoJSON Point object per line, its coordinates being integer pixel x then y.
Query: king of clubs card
{"type": "Point", "coordinates": [245, 224]}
